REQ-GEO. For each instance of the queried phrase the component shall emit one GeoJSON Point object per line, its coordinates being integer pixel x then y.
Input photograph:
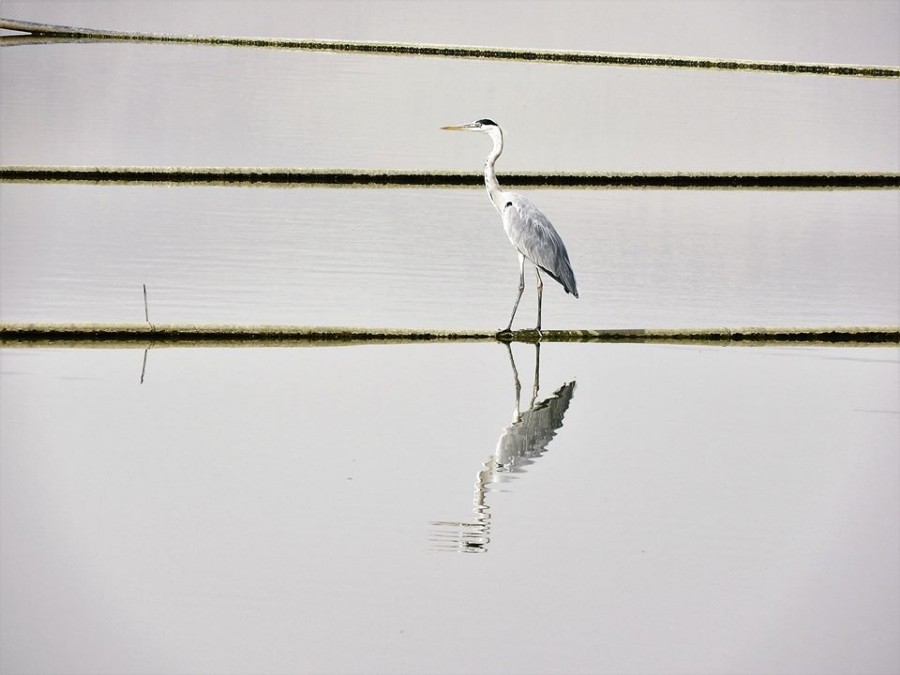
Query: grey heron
{"type": "Point", "coordinates": [529, 230]}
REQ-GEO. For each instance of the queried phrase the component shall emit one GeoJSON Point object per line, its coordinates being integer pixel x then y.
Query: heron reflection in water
{"type": "Point", "coordinates": [521, 444]}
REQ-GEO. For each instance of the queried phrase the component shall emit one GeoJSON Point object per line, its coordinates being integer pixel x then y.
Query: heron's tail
{"type": "Point", "coordinates": [565, 276]}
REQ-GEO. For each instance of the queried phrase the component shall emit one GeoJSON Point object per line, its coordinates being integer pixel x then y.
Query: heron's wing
{"type": "Point", "coordinates": [532, 233]}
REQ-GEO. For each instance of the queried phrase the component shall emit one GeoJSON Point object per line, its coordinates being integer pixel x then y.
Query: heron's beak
{"type": "Point", "coordinates": [457, 127]}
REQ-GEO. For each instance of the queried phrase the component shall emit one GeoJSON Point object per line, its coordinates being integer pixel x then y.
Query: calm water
{"type": "Point", "coordinates": [438, 259]}
{"type": "Point", "coordinates": [649, 509]}
{"type": "Point", "coordinates": [272, 510]}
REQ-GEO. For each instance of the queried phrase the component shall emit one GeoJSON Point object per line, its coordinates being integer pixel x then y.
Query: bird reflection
{"type": "Point", "coordinates": [521, 444]}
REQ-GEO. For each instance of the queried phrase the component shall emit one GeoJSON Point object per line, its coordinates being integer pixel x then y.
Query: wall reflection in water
{"type": "Point", "coordinates": [521, 443]}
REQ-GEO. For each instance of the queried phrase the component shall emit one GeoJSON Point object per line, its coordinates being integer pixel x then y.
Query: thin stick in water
{"type": "Point", "coordinates": [144, 364]}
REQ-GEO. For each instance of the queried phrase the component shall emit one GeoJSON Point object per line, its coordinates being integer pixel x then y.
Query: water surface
{"type": "Point", "coordinates": [435, 258]}
{"type": "Point", "coordinates": [248, 510]}
{"type": "Point", "coordinates": [439, 258]}
{"type": "Point", "coordinates": [648, 509]}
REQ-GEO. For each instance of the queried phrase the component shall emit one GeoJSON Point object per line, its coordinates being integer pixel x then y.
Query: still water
{"type": "Point", "coordinates": [684, 509]}
{"type": "Point", "coordinates": [440, 259]}
{"type": "Point", "coordinates": [436, 258]}
{"type": "Point", "coordinates": [409, 508]}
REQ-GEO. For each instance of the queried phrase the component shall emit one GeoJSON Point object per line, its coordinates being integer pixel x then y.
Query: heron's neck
{"type": "Point", "coordinates": [490, 178]}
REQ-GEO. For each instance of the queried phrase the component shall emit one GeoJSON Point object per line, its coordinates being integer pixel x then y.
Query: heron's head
{"type": "Point", "coordinates": [483, 125]}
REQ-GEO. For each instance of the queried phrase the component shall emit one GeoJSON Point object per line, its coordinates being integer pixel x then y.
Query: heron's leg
{"type": "Point", "coordinates": [519, 296]}
{"type": "Point", "coordinates": [515, 370]}
{"type": "Point", "coordinates": [540, 291]}
{"type": "Point", "coordinates": [537, 374]}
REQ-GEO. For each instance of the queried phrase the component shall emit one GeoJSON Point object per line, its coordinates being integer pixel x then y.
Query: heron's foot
{"type": "Point", "coordinates": [505, 334]}
{"type": "Point", "coordinates": [537, 330]}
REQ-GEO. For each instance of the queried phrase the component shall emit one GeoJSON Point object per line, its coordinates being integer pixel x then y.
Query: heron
{"type": "Point", "coordinates": [529, 230]}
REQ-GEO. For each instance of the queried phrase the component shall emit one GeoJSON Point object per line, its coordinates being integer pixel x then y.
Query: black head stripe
{"type": "Point", "coordinates": [486, 122]}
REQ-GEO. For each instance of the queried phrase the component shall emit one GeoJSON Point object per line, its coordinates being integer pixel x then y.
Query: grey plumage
{"type": "Point", "coordinates": [528, 229]}
{"type": "Point", "coordinates": [533, 234]}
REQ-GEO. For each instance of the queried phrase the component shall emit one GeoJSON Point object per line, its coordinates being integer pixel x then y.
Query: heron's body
{"type": "Point", "coordinates": [534, 236]}
{"type": "Point", "coordinates": [528, 229]}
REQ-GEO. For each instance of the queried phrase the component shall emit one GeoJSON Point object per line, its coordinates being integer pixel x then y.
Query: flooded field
{"type": "Point", "coordinates": [299, 509]}
{"type": "Point", "coordinates": [447, 508]}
